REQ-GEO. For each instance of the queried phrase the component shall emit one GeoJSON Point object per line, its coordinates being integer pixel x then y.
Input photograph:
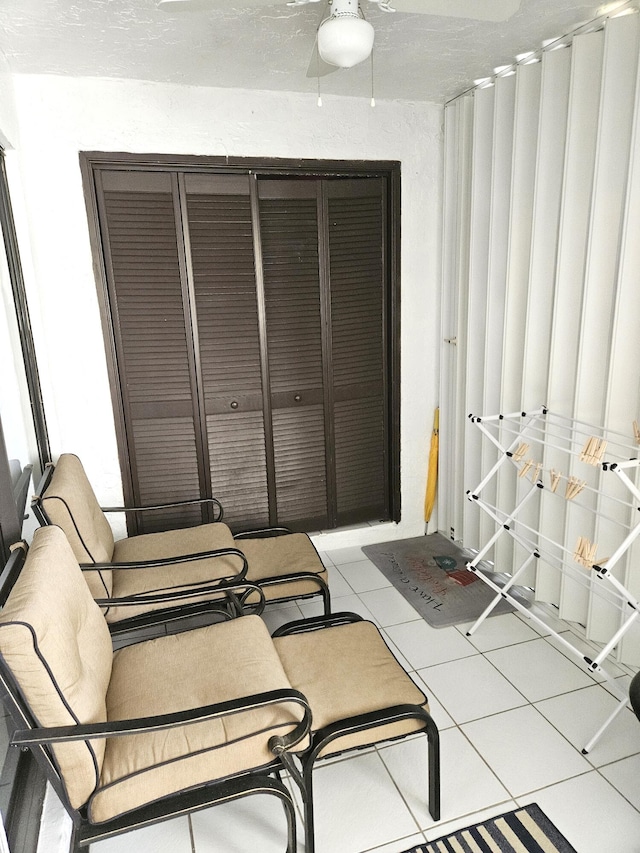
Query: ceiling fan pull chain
{"type": "Point", "coordinates": [373, 100]}
{"type": "Point", "coordinates": [318, 71]}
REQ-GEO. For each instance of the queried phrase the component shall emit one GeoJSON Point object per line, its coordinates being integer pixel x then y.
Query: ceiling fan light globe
{"type": "Point", "coordinates": [345, 41]}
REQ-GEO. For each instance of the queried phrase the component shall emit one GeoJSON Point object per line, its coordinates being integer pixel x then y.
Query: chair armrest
{"type": "Point", "coordinates": [171, 561]}
{"type": "Point", "coordinates": [262, 533]}
{"type": "Point", "coordinates": [316, 623]}
{"type": "Point", "coordinates": [178, 593]}
{"type": "Point", "coordinates": [160, 722]}
{"type": "Point", "coordinates": [214, 501]}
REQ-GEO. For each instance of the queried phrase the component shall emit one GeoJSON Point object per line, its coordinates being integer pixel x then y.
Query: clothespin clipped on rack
{"type": "Point", "coordinates": [525, 468]}
{"type": "Point", "coordinates": [574, 487]}
{"type": "Point", "coordinates": [556, 476]}
{"type": "Point", "coordinates": [519, 452]}
{"type": "Point", "coordinates": [636, 432]}
{"type": "Point", "coordinates": [593, 450]}
{"type": "Point", "coordinates": [535, 474]}
{"type": "Point", "coordinates": [585, 552]}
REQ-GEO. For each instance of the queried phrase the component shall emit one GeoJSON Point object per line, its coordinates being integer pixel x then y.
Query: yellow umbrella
{"type": "Point", "coordinates": [432, 477]}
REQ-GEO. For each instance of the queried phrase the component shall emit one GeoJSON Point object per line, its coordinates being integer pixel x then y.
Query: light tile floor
{"type": "Point", "coordinates": [513, 711]}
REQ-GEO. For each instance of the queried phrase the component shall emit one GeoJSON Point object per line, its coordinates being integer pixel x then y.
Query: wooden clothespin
{"type": "Point", "coordinates": [636, 432]}
{"type": "Point", "coordinates": [574, 487]}
{"type": "Point", "coordinates": [556, 476]}
{"type": "Point", "coordinates": [520, 451]}
{"type": "Point", "coordinates": [536, 472]}
{"type": "Point", "coordinates": [585, 552]}
{"type": "Point", "coordinates": [593, 450]}
{"type": "Point", "coordinates": [525, 468]}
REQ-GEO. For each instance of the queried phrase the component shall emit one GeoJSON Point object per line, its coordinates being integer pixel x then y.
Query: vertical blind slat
{"type": "Point", "coordinates": [502, 168]}
{"type": "Point", "coordinates": [478, 280]}
{"type": "Point", "coordinates": [525, 135]}
{"type": "Point", "coordinates": [552, 134]}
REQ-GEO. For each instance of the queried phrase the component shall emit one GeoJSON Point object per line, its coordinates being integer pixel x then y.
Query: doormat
{"type": "Point", "coordinates": [525, 830]}
{"type": "Point", "coordinates": [430, 572]}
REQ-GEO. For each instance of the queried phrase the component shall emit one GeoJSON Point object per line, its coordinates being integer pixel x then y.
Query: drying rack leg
{"type": "Point", "coordinates": [589, 746]}
{"type": "Point", "coordinates": [501, 592]}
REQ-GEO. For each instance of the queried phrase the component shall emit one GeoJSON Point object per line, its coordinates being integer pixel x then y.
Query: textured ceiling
{"type": "Point", "coordinates": [416, 57]}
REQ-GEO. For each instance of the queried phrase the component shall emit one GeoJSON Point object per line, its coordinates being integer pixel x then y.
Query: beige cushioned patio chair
{"type": "Point", "coordinates": [153, 730]}
{"type": "Point", "coordinates": [284, 566]}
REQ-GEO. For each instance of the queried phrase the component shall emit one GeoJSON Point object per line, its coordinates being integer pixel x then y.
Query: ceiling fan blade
{"type": "Point", "coordinates": [477, 10]}
{"type": "Point", "coordinates": [318, 67]}
{"type": "Point", "coordinates": [198, 5]}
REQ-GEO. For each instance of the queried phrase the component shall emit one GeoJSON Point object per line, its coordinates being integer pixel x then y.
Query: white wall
{"type": "Point", "coordinates": [59, 117]}
{"type": "Point", "coordinates": [8, 117]}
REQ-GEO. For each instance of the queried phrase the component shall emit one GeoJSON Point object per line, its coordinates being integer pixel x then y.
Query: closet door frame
{"type": "Point", "coordinates": [92, 163]}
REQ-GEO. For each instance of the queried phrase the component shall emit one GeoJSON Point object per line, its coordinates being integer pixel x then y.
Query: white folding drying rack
{"type": "Point", "coordinates": [610, 452]}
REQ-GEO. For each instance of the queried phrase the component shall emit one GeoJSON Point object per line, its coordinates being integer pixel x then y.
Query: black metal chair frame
{"type": "Point", "coordinates": [135, 622]}
{"type": "Point", "coordinates": [634, 694]}
{"type": "Point", "coordinates": [262, 780]}
{"type": "Point", "coordinates": [363, 722]}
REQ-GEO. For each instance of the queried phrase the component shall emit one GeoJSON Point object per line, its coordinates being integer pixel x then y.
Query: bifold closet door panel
{"type": "Point", "coordinates": [220, 245]}
{"type": "Point", "coordinates": [356, 228]}
{"type": "Point", "coordinates": [291, 273]}
{"type": "Point", "coordinates": [156, 374]}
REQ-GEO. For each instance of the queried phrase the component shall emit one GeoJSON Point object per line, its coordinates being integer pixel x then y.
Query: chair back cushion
{"type": "Point", "coordinates": [56, 643]}
{"type": "Point", "coordinates": [70, 502]}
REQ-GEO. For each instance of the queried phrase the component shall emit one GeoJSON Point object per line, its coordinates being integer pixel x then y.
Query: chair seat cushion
{"type": "Point", "coordinates": [171, 543]}
{"type": "Point", "coordinates": [347, 670]}
{"type": "Point", "coordinates": [275, 556]}
{"type": "Point", "coordinates": [178, 672]}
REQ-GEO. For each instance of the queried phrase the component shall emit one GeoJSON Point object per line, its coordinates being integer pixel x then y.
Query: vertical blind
{"type": "Point", "coordinates": [541, 279]}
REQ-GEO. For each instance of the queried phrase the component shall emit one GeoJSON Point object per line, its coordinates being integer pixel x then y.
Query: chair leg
{"type": "Point", "coordinates": [433, 739]}
{"type": "Point", "coordinates": [75, 847]}
{"type": "Point", "coordinates": [290, 813]}
{"type": "Point", "coordinates": [274, 785]}
{"type": "Point", "coordinates": [307, 796]}
{"type": "Point", "coordinates": [326, 601]}
{"type": "Point", "coordinates": [305, 781]}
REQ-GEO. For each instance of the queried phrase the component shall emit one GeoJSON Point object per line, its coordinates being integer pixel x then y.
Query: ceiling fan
{"type": "Point", "coordinates": [345, 37]}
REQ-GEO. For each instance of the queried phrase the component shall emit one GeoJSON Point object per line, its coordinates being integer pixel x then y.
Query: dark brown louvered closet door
{"type": "Point", "coordinates": [249, 332]}
{"type": "Point", "coordinates": [153, 352]}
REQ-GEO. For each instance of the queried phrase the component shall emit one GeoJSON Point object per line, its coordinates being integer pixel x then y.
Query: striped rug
{"type": "Point", "coordinates": [524, 830]}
